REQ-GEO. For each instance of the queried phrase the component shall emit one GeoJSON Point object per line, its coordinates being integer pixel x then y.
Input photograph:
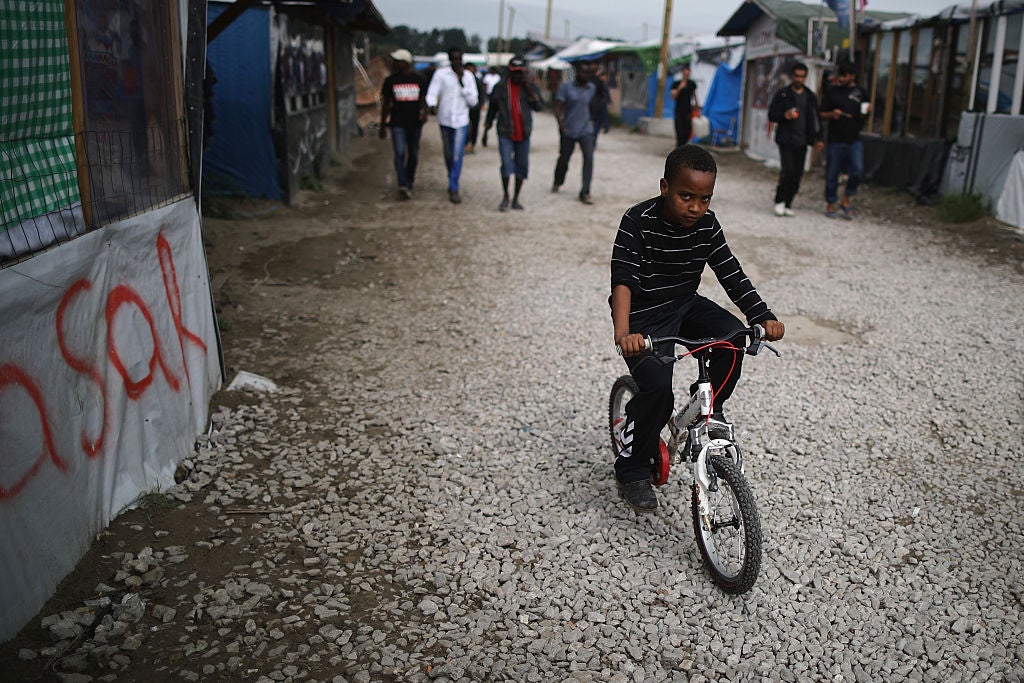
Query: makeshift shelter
{"type": "Point", "coordinates": [945, 119]}
{"type": "Point", "coordinates": [284, 103]}
{"type": "Point", "coordinates": [635, 86]}
{"type": "Point", "coordinates": [109, 353]}
{"type": "Point", "coordinates": [779, 32]}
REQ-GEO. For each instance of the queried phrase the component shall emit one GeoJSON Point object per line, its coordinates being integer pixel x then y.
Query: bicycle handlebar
{"type": "Point", "coordinates": [755, 332]}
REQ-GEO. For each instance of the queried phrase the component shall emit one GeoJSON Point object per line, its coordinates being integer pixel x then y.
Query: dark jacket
{"type": "Point", "coordinates": [529, 99]}
{"type": "Point", "coordinates": [787, 131]}
{"type": "Point", "coordinates": [847, 100]}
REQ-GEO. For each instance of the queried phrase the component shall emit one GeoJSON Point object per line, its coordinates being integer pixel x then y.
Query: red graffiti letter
{"type": "Point", "coordinates": [11, 374]}
{"type": "Point", "coordinates": [119, 296]}
{"type": "Point", "coordinates": [91, 448]}
{"type": "Point", "coordinates": [170, 275]}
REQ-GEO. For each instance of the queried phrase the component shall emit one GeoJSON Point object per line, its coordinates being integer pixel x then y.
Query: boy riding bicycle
{"type": "Point", "coordinates": [660, 251]}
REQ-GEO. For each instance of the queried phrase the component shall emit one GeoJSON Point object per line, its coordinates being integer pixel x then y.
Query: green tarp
{"type": "Point", "coordinates": [37, 143]}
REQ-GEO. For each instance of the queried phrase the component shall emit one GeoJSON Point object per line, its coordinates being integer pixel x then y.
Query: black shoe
{"type": "Point", "coordinates": [639, 494]}
{"type": "Point", "coordinates": [585, 198]}
{"type": "Point", "coordinates": [517, 206]}
{"type": "Point", "coordinates": [453, 197]}
{"type": "Point", "coordinates": [504, 205]}
{"type": "Point", "coordinates": [719, 427]}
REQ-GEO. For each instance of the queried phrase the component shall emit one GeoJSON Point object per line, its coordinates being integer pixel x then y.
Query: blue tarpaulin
{"type": "Point", "coordinates": [722, 105]}
{"type": "Point", "coordinates": [240, 160]}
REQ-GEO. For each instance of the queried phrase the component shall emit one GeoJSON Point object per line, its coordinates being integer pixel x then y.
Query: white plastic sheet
{"type": "Point", "coordinates": [1010, 205]}
{"type": "Point", "coordinates": [108, 359]}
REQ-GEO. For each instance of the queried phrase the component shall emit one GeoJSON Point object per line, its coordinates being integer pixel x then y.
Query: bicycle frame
{"type": "Point", "coordinates": [691, 421]}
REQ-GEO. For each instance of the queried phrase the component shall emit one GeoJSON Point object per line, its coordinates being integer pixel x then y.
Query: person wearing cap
{"type": "Point", "coordinates": [575, 126]}
{"type": "Point", "coordinates": [450, 95]}
{"type": "Point", "coordinates": [513, 101]}
{"type": "Point", "coordinates": [403, 108]}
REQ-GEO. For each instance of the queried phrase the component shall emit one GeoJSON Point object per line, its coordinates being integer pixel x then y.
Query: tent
{"type": "Point", "coordinates": [637, 80]}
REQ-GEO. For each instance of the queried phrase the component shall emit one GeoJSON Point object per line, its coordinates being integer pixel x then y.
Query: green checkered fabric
{"type": "Point", "coordinates": [37, 145]}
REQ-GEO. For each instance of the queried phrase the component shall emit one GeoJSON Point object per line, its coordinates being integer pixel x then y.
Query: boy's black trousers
{"type": "Point", "coordinates": [696, 318]}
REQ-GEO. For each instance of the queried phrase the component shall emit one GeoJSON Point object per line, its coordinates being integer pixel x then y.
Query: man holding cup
{"type": "Point", "coordinates": [794, 111]}
{"type": "Point", "coordinates": [845, 106]}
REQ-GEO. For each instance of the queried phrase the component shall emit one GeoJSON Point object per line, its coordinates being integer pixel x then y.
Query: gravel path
{"type": "Point", "coordinates": [429, 496]}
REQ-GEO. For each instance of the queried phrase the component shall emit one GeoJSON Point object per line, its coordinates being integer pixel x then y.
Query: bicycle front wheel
{"type": "Point", "coordinates": [729, 537]}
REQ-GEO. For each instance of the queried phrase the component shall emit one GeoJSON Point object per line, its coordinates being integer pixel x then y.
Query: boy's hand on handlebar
{"type": "Point", "coordinates": [631, 344]}
{"type": "Point", "coordinates": [773, 330]}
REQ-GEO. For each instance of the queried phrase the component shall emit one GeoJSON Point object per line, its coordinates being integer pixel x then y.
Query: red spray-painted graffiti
{"type": "Point", "coordinates": [120, 296]}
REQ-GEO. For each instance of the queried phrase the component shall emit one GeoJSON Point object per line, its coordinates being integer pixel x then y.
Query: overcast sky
{"type": "Point", "coordinates": [630, 20]}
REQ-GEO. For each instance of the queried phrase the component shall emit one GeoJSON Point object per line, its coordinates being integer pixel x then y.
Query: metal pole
{"type": "Point", "coordinates": [501, 26]}
{"type": "Point", "coordinates": [853, 31]}
{"type": "Point", "coordinates": [972, 49]}
{"type": "Point", "coordinates": [511, 18]}
{"type": "Point", "coordinates": [547, 22]}
{"type": "Point", "coordinates": [659, 97]}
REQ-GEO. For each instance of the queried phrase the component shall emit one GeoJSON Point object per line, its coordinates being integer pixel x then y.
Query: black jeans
{"type": "Point", "coordinates": [566, 146]}
{"type": "Point", "coordinates": [792, 159]}
{"type": "Point", "coordinates": [649, 410]}
{"type": "Point", "coordinates": [684, 130]}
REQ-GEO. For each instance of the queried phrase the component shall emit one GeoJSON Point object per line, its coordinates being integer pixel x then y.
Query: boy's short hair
{"type": "Point", "coordinates": [847, 68]}
{"type": "Point", "coordinates": [689, 156]}
{"type": "Point", "coordinates": [798, 66]}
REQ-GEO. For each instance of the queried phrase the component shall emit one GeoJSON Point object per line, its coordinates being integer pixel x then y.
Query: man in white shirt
{"type": "Point", "coordinates": [491, 79]}
{"type": "Point", "coordinates": [451, 93]}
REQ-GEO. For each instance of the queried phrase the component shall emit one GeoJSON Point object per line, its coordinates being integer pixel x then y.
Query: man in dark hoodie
{"type": "Point", "coordinates": [513, 102]}
{"type": "Point", "coordinates": [794, 110]}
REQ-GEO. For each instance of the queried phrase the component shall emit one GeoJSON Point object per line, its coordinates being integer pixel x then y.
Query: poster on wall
{"type": "Point", "coordinates": [135, 147]}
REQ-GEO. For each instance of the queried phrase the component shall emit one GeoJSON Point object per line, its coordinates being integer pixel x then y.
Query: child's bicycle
{"type": "Point", "coordinates": [725, 519]}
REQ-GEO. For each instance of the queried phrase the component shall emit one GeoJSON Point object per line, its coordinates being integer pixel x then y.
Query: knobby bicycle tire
{"type": "Point", "coordinates": [734, 487]}
{"type": "Point", "coordinates": [624, 388]}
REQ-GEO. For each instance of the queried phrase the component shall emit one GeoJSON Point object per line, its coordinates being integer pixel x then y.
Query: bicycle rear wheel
{"type": "Point", "coordinates": [623, 390]}
{"type": "Point", "coordinates": [730, 538]}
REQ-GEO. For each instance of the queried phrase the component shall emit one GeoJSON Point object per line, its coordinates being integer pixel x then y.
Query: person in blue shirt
{"type": "Point", "coordinates": [576, 127]}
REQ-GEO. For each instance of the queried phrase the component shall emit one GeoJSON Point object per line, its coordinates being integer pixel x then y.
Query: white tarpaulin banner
{"type": "Point", "coordinates": [108, 359]}
{"type": "Point", "coordinates": [1010, 205]}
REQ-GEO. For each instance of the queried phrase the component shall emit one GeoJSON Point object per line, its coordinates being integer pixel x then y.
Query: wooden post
{"type": "Point", "coordinates": [78, 112]}
{"type": "Point", "coordinates": [666, 25]}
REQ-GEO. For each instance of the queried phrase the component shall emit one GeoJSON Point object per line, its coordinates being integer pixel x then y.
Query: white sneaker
{"type": "Point", "coordinates": [789, 212]}
{"type": "Point", "coordinates": [780, 209]}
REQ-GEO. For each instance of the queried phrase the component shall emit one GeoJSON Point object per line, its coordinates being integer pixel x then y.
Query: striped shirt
{"type": "Point", "coordinates": [662, 262]}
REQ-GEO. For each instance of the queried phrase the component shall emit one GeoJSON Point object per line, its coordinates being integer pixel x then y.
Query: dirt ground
{"type": "Point", "coordinates": [262, 254]}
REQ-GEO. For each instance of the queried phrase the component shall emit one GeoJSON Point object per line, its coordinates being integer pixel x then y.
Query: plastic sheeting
{"type": "Point", "coordinates": [240, 159]}
{"type": "Point", "coordinates": [982, 159]}
{"type": "Point", "coordinates": [1010, 205]}
{"type": "Point", "coordinates": [722, 105]}
{"type": "Point", "coordinates": [108, 360]}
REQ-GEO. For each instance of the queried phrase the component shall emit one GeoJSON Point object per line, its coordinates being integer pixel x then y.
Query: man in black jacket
{"type": "Point", "coordinates": [845, 106]}
{"type": "Point", "coordinates": [513, 102]}
{"type": "Point", "coordinates": [794, 110]}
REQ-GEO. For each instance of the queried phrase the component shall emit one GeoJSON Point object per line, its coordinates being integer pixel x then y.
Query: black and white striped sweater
{"type": "Point", "coordinates": [662, 262]}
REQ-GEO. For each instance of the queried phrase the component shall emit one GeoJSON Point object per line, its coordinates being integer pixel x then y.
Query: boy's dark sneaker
{"type": "Point", "coordinates": [639, 495]}
{"type": "Point", "coordinates": [517, 206]}
{"type": "Point", "coordinates": [585, 198]}
{"type": "Point", "coordinates": [504, 205]}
